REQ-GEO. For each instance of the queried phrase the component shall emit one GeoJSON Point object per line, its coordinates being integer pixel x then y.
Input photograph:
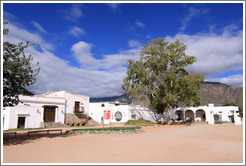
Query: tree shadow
{"type": "Point", "coordinates": [23, 138]}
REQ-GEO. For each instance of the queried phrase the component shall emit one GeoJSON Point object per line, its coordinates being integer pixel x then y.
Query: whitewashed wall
{"type": "Point", "coordinates": [210, 110]}
{"type": "Point", "coordinates": [136, 112]}
{"type": "Point", "coordinates": [71, 98]}
{"type": "Point", "coordinates": [33, 111]}
{"type": "Point", "coordinates": [97, 112]}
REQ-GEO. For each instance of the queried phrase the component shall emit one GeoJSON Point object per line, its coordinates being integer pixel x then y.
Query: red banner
{"type": "Point", "coordinates": [106, 114]}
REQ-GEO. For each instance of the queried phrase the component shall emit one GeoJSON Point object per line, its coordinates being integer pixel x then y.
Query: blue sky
{"type": "Point", "coordinates": [84, 47]}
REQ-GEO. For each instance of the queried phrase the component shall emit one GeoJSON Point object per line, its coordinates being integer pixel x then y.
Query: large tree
{"type": "Point", "coordinates": [18, 71]}
{"type": "Point", "coordinates": [159, 77]}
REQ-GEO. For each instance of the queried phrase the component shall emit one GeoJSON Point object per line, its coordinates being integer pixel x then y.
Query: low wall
{"type": "Point", "coordinates": [105, 131]}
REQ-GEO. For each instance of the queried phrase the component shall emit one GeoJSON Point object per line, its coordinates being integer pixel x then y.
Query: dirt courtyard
{"type": "Point", "coordinates": [198, 143]}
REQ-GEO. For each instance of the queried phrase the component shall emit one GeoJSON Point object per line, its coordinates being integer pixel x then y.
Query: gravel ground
{"type": "Point", "coordinates": [198, 143]}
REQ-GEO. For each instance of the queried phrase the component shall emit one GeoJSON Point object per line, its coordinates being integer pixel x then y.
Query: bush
{"type": "Point", "coordinates": [138, 122]}
{"type": "Point", "coordinates": [112, 128]}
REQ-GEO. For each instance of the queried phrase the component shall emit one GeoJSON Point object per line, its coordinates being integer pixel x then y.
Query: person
{"type": "Point", "coordinates": [188, 121]}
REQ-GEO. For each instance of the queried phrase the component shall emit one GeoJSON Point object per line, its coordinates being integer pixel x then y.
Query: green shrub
{"type": "Point", "coordinates": [112, 128]}
{"type": "Point", "coordinates": [138, 122]}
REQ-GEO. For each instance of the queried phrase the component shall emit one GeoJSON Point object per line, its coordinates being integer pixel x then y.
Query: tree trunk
{"type": "Point", "coordinates": [167, 111]}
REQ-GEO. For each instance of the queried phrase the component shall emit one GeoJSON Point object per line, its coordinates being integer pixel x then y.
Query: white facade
{"type": "Point", "coordinates": [71, 98]}
{"type": "Point", "coordinates": [120, 113]}
{"type": "Point", "coordinates": [206, 113]}
{"type": "Point", "coordinates": [35, 110]}
{"type": "Point", "coordinates": [55, 106]}
{"type": "Point", "coordinates": [134, 112]}
{"type": "Point", "coordinates": [31, 111]}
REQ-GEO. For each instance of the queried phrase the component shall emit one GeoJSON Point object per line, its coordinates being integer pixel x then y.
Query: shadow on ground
{"type": "Point", "coordinates": [23, 138]}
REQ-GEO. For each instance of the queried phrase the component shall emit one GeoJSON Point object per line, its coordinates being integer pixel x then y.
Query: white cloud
{"type": "Point", "coordinates": [233, 80]}
{"type": "Point", "coordinates": [192, 12]}
{"type": "Point", "coordinates": [73, 14]}
{"type": "Point", "coordinates": [136, 25]}
{"type": "Point", "coordinates": [38, 27]}
{"type": "Point", "coordinates": [118, 62]}
{"type": "Point", "coordinates": [76, 31]}
{"type": "Point", "coordinates": [82, 52]}
{"type": "Point", "coordinates": [17, 35]}
{"type": "Point", "coordinates": [134, 43]}
{"type": "Point", "coordinates": [214, 53]}
{"type": "Point", "coordinates": [113, 6]}
{"type": "Point", "coordinates": [9, 16]}
{"type": "Point", "coordinates": [112, 62]}
{"type": "Point", "coordinates": [139, 24]}
{"type": "Point", "coordinates": [104, 77]}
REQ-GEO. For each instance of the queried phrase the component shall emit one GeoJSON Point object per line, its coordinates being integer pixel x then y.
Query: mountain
{"type": "Point", "coordinates": [211, 92]}
{"type": "Point", "coordinates": [218, 93]}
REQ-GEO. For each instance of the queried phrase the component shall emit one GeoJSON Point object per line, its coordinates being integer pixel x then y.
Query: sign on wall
{"type": "Point", "coordinates": [106, 115]}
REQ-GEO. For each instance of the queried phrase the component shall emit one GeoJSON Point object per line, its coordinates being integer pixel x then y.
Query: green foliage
{"type": "Point", "coordinates": [139, 122]}
{"type": "Point", "coordinates": [159, 78]}
{"type": "Point", "coordinates": [112, 128]}
{"type": "Point", "coordinates": [18, 72]}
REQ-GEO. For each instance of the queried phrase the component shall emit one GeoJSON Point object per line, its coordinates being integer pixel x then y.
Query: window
{"type": "Point", "coordinates": [133, 116]}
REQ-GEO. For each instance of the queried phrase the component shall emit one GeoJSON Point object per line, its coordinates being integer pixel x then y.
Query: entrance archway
{"type": "Point", "coordinates": [180, 115]}
{"type": "Point", "coordinates": [190, 114]}
{"type": "Point", "coordinates": [200, 115]}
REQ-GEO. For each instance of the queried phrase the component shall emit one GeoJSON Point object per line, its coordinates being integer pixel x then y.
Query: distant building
{"type": "Point", "coordinates": [208, 114]}
{"type": "Point", "coordinates": [65, 108]}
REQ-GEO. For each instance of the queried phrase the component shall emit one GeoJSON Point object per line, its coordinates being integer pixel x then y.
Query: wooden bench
{"type": "Point", "coordinates": [47, 131]}
{"type": "Point", "coordinates": [11, 133]}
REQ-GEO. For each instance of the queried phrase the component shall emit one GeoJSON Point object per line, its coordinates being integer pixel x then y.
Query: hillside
{"type": "Point", "coordinates": [211, 92]}
{"type": "Point", "coordinates": [218, 93]}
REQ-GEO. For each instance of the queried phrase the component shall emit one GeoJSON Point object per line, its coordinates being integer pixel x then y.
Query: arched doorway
{"type": "Point", "coordinates": [190, 114]}
{"type": "Point", "coordinates": [200, 115]}
{"type": "Point", "coordinates": [180, 115]}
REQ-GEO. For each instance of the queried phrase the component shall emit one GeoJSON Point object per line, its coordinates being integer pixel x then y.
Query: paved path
{"type": "Point", "coordinates": [198, 143]}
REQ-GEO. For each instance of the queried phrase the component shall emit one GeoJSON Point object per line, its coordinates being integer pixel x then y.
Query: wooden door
{"type": "Point", "coordinates": [49, 114]}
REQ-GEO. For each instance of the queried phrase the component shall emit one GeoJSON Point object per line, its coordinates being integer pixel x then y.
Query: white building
{"type": "Point", "coordinates": [133, 112]}
{"type": "Point", "coordinates": [77, 106]}
{"type": "Point", "coordinates": [120, 112]}
{"type": "Point", "coordinates": [34, 112]}
{"type": "Point", "coordinates": [38, 110]}
{"type": "Point", "coordinates": [69, 108]}
{"type": "Point", "coordinates": [208, 113]}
